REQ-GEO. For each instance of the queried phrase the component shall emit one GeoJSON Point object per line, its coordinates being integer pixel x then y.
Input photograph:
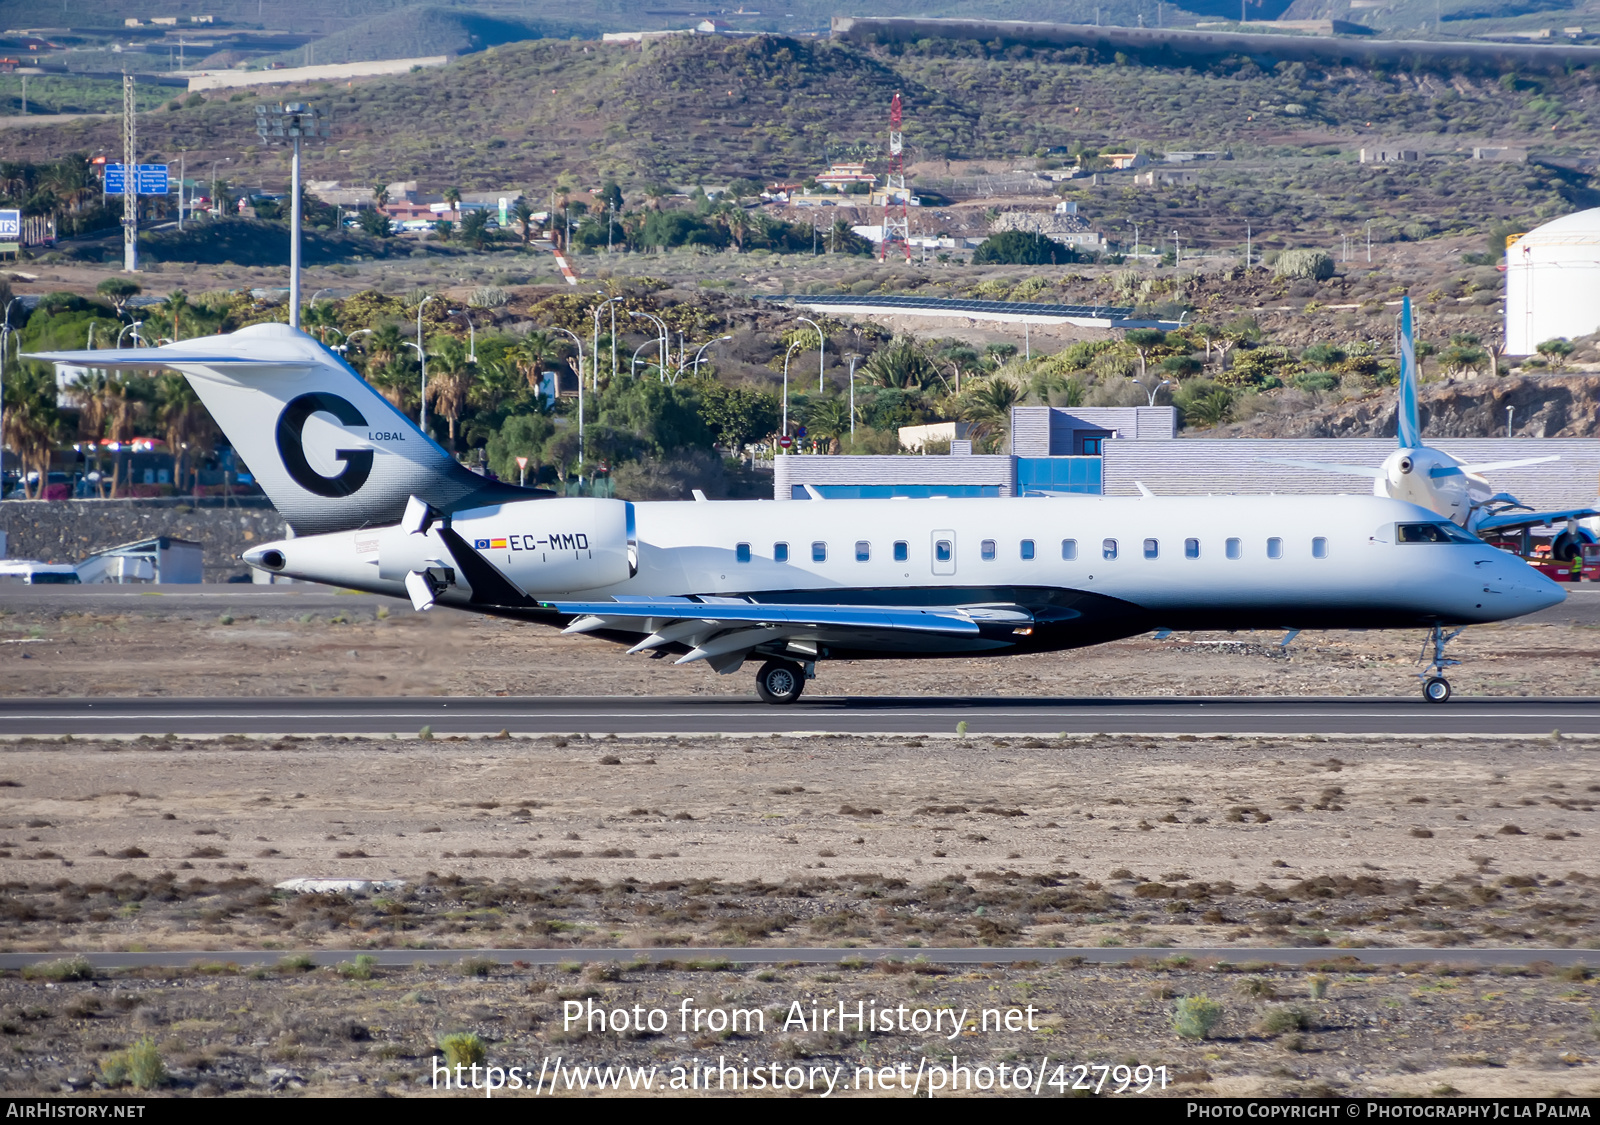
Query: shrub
{"type": "Point", "coordinates": [1318, 986]}
{"type": "Point", "coordinates": [140, 1065]}
{"type": "Point", "coordinates": [1279, 1020]}
{"type": "Point", "coordinates": [462, 1048]}
{"type": "Point", "coordinates": [1304, 265]}
{"type": "Point", "coordinates": [359, 969]}
{"type": "Point", "coordinates": [476, 966]}
{"type": "Point", "coordinates": [68, 968]}
{"type": "Point", "coordinates": [1022, 248]}
{"type": "Point", "coordinates": [1194, 1016]}
{"type": "Point", "coordinates": [1315, 380]}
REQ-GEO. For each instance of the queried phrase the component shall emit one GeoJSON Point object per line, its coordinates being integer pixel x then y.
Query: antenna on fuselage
{"type": "Point", "coordinates": [1407, 428]}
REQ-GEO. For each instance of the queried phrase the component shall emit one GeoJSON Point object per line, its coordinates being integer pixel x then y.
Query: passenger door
{"type": "Point", "coordinates": [944, 552]}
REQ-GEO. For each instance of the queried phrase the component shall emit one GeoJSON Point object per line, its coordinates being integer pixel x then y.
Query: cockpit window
{"type": "Point", "coordinates": [1442, 532]}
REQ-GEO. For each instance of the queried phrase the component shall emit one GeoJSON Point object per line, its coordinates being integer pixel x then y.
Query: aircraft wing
{"type": "Point", "coordinates": [1348, 470]}
{"type": "Point", "coordinates": [725, 633]}
{"type": "Point", "coordinates": [1510, 521]}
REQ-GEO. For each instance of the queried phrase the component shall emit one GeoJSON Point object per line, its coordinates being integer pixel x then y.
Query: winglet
{"type": "Point", "coordinates": [1407, 428]}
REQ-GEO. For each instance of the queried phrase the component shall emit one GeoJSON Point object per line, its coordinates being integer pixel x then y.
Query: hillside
{"type": "Point", "coordinates": [426, 30]}
{"type": "Point", "coordinates": [706, 110]}
{"type": "Point", "coordinates": [1565, 406]}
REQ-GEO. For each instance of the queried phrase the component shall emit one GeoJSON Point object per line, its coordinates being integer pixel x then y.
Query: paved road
{"type": "Point", "coordinates": [841, 715]}
{"type": "Point", "coordinates": [746, 955]}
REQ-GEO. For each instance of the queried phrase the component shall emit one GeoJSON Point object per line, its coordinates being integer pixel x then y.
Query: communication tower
{"type": "Point", "coordinates": [896, 200]}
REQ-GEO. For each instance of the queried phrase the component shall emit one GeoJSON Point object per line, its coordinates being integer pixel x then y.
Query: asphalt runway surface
{"type": "Point", "coordinates": [866, 715]}
{"type": "Point", "coordinates": [833, 955]}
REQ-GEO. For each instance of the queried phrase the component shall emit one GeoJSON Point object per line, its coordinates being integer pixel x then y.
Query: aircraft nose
{"type": "Point", "coordinates": [1536, 591]}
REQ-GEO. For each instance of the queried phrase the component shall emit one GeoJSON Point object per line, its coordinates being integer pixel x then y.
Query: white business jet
{"type": "Point", "coordinates": [375, 505]}
{"type": "Point", "coordinates": [1455, 489]}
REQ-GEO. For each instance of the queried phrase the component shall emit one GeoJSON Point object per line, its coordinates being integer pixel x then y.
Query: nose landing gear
{"type": "Point", "coordinates": [1435, 688]}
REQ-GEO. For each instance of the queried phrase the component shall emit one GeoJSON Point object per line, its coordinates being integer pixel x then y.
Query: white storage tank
{"type": "Point", "coordinates": [1553, 282]}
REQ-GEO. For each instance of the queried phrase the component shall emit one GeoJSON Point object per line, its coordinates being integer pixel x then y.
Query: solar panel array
{"type": "Point", "coordinates": [957, 306]}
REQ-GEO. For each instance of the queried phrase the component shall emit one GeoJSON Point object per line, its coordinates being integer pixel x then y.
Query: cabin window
{"type": "Point", "coordinates": [742, 552]}
{"type": "Point", "coordinates": [1108, 549]}
{"type": "Point", "coordinates": [942, 551]}
{"type": "Point", "coordinates": [780, 552]}
{"type": "Point", "coordinates": [1191, 548]}
{"type": "Point", "coordinates": [1069, 549]}
{"type": "Point", "coordinates": [901, 551]}
{"type": "Point", "coordinates": [986, 549]}
{"type": "Point", "coordinates": [1235, 548]}
{"type": "Point", "coordinates": [863, 550]}
{"type": "Point", "coordinates": [1027, 549]}
{"type": "Point", "coordinates": [1319, 548]}
{"type": "Point", "coordinates": [1152, 548]}
{"type": "Point", "coordinates": [1274, 548]}
{"type": "Point", "coordinates": [819, 552]}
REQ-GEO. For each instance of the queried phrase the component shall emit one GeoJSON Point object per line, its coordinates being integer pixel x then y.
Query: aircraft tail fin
{"type": "Point", "coordinates": [331, 453]}
{"type": "Point", "coordinates": [1407, 428]}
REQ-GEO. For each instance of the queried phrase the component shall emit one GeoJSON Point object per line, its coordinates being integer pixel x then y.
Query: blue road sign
{"type": "Point", "coordinates": [150, 179]}
{"type": "Point", "coordinates": [10, 226]}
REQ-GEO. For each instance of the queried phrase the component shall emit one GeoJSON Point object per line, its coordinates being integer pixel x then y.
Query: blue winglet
{"type": "Point", "coordinates": [1407, 428]}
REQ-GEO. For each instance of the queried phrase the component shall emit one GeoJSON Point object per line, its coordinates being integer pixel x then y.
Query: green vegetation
{"type": "Point", "coordinates": [140, 1066]}
{"type": "Point", "coordinates": [462, 1048]}
{"type": "Point", "coordinates": [1022, 248]}
{"type": "Point", "coordinates": [68, 968]}
{"type": "Point", "coordinates": [1194, 1017]}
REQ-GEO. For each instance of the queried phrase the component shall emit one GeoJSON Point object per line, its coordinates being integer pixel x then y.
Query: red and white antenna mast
{"type": "Point", "coordinates": [896, 200]}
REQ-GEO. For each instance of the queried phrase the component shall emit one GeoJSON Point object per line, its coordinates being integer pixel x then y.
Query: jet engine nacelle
{"type": "Point", "coordinates": [548, 547]}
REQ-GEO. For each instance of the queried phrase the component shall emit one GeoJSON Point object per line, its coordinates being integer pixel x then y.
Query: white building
{"type": "Point", "coordinates": [1553, 282]}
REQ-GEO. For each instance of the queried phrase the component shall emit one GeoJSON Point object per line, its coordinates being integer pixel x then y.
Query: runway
{"type": "Point", "coordinates": [712, 715]}
{"type": "Point", "coordinates": [707, 957]}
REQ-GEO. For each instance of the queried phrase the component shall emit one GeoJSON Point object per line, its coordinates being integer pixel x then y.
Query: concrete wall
{"type": "Point", "coordinates": [790, 470]}
{"type": "Point", "coordinates": [66, 531]}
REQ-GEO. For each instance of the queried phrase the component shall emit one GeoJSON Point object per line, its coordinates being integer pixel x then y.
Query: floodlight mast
{"type": "Point", "coordinates": [288, 122]}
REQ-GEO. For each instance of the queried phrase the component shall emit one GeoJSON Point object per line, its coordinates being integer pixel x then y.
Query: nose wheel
{"type": "Point", "coordinates": [780, 681]}
{"type": "Point", "coordinates": [1435, 688]}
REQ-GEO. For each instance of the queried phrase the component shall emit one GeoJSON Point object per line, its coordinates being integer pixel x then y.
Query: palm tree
{"type": "Point", "coordinates": [829, 419]}
{"type": "Point", "coordinates": [185, 421]}
{"type": "Point", "coordinates": [988, 407]}
{"type": "Point", "coordinates": [173, 306]}
{"type": "Point", "coordinates": [385, 344]}
{"type": "Point", "coordinates": [88, 393]}
{"type": "Point", "coordinates": [395, 381]}
{"type": "Point", "coordinates": [900, 363]}
{"type": "Point", "coordinates": [522, 215]}
{"type": "Point", "coordinates": [32, 422]}
{"type": "Point", "coordinates": [380, 194]}
{"type": "Point", "coordinates": [475, 228]}
{"type": "Point", "coordinates": [534, 352]}
{"type": "Point", "coordinates": [452, 196]}
{"type": "Point", "coordinates": [450, 379]}
{"type": "Point", "coordinates": [123, 409]}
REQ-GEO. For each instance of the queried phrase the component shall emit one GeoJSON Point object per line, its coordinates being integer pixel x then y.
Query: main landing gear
{"type": "Point", "coordinates": [1435, 688]}
{"type": "Point", "coordinates": [780, 681]}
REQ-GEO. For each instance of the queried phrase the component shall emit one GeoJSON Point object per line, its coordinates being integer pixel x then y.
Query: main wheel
{"type": "Point", "coordinates": [1436, 689]}
{"type": "Point", "coordinates": [780, 681]}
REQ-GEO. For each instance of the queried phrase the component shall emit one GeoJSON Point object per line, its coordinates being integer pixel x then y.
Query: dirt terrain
{"type": "Point", "coordinates": [88, 642]}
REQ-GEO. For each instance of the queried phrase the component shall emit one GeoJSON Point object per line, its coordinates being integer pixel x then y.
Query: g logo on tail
{"type": "Point", "coordinates": [292, 423]}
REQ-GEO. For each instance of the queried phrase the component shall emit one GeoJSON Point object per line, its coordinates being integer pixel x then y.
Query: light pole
{"type": "Point", "coordinates": [292, 121]}
{"type": "Point", "coordinates": [852, 357]}
{"type": "Point", "coordinates": [1151, 391]}
{"type": "Point", "coordinates": [1509, 412]}
{"type": "Point", "coordinates": [472, 334]}
{"type": "Point", "coordinates": [594, 372]}
{"type": "Point", "coordinates": [822, 349]}
{"type": "Point", "coordinates": [577, 343]}
{"type": "Point", "coordinates": [1369, 242]}
{"type": "Point", "coordinates": [215, 207]}
{"type": "Point", "coordinates": [703, 347]}
{"type": "Point", "coordinates": [785, 428]}
{"type": "Point", "coordinates": [423, 417]}
{"type": "Point", "coordinates": [633, 368]}
{"type": "Point", "coordinates": [422, 358]}
{"type": "Point", "coordinates": [134, 328]}
{"type": "Point", "coordinates": [661, 329]}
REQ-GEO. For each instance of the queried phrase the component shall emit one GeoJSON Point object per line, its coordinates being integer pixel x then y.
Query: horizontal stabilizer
{"type": "Point", "coordinates": [1348, 470]}
{"type": "Point", "coordinates": [1510, 522]}
{"type": "Point", "coordinates": [1490, 466]}
{"type": "Point", "coordinates": [126, 358]}
{"type": "Point", "coordinates": [620, 615]}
